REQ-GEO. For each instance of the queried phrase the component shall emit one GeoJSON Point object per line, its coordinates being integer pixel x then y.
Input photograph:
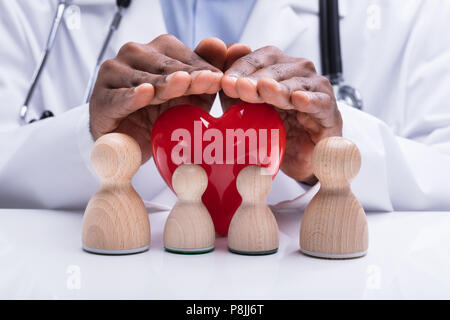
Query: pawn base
{"type": "Point", "coordinates": [254, 253]}
{"type": "Point", "coordinates": [189, 251]}
{"type": "Point", "coordinates": [116, 252]}
{"type": "Point", "coordinates": [334, 256]}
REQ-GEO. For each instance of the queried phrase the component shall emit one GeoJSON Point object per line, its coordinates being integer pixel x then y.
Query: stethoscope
{"type": "Point", "coordinates": [330, 47]}
{"type": "Point", "coordinates": [62, 6]}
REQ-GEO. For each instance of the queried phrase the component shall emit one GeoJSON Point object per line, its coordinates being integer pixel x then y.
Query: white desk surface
{"type": "Point", "coordinates": [40, 256]}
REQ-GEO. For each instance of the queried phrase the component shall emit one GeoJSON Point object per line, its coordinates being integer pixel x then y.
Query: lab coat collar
{"type": "Point", "coordinates": [279, 23]}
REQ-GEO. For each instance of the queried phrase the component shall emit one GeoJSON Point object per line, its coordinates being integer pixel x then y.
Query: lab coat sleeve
{"type": "Point", "coordinates": [44, 164]}
{"type": "Point", "coordinates": [407, 167]}
{"type": "Point", "coordinates": [397, 173]}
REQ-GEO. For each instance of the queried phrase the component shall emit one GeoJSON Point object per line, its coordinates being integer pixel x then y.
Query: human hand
{"type": "Point", "coordinates": [143, 80]}
{"type": "Point", "coordinates": [304, 100]}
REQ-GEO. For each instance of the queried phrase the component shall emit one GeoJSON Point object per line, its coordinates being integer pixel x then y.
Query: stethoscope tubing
{"type": "Point", "coordinates": [62, 5]}
{"type": "Point", "coordinates": [112, 28]}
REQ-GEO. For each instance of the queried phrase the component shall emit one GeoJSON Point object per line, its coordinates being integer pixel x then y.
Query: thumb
{"type": "Point", "coordinates": [213, 50]}
{"type": "Point", "coordinates": [235, 51]}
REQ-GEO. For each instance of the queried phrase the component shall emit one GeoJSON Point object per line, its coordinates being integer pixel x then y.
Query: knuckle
{"type": "Point", "coordinates": [129, 48]}
{"type": "Point", "coordinates": [307, 65]}
{"type": "Point", "coordinates": [108, 66]}
{"type": "Point", "coordinates": [303, 83]}
{"type": "Point", "coordinates": [167, 37]}
{"type": "Point", "coordinates": [323, 82]}
{"type": "Point", "coordinates": [272, 53]}
{"type": "Point", "coordinates": [168, 66]}
{"type": "Point", "coordinates": [271, 49]}
{"type": "Point", "coordinates": [253, 61]}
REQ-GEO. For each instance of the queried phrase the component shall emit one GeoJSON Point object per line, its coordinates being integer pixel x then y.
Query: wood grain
{"type": "Point", "coordinates": [253, 228]}
{"type": "Point", "coordinates": [116, 218]}
{"type": "Point", "coordinates": [189, 225]}
{"type": "Point", "coordinates": [334, 224]}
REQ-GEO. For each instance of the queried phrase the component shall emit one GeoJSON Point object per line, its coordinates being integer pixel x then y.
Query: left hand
{"type": "Point", "coordinates": [305, 100]}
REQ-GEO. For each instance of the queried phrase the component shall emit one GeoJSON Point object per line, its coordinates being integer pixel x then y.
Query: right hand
{"type": "Point", "coordinates": [135, 87]}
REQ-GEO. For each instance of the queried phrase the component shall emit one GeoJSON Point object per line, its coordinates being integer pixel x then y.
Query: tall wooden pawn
{"type": "Point", "coordinates": [115, 220]}
{"type": "Point", "coordinates": [189, 228]}
{"type": "Point", "coordinates": [334, 225]}
{"type": "Point", "coordinates": [253, 229]}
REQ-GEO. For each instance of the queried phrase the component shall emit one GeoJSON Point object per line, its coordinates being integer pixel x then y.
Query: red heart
{"type": "Point", "coordinates": [183, 127]}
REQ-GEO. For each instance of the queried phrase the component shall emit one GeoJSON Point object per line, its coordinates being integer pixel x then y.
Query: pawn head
{"type": "Point", "coordinates": [116, 156]}
{"type": "Point", "coordinates": [254, 183]}
{"type": "Point", "coordinates": [336, 160]}
{"type": "Point", "coordinates": [189, 181]}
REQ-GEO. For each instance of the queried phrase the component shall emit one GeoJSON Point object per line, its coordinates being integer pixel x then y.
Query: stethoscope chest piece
{"type": "Point", "coordinates": [350, 96]}
{"type": "Point", "coordinates": [46, 114]}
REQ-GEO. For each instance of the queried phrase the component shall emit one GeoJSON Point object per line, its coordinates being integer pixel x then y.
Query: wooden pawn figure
{"type": "Point", "coordinates": [334, 225]}
{"type": "Point", "coordinates": [115, 220]}
{"type": "Point", "coordinates": [189, 228]}
{"type": "Point", "coordinates": [253, 229]}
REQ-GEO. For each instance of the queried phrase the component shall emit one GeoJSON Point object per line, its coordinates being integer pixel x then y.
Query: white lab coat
{"type": "Point", "coordinates": [397, 52]}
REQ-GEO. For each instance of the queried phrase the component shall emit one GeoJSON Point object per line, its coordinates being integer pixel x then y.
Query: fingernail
{"type": "Point", "coordinates": [306, 95]}
{"type": "Point", "coordinates": [195, 74]}
{"type": "Point", "coordinates": [275, 82]}
{"type": "Point", "coordinates": [169, 77]}
{"type": "Point", "coordinates": [232, 77]}
{"type": "Point", "coordinates": [144, 85]}
{"type": "Point", "coordinates": [253, 81]}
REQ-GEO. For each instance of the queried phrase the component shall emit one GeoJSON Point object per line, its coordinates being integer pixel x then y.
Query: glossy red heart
{"type": "Point", "coordinates": [246, 134]}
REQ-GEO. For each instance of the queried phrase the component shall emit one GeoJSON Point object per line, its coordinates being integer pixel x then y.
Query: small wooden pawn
{"type": "Point", "coordinates": [115, 220]}
{"type": "Point", "coordinates": [189, 228]}
{"type": "Point", "coordinates": [253, 229]}
{"type": "Point", "coordinates": [334, 225]}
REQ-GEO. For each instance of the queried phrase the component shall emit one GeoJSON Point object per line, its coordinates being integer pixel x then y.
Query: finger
{"type": "Point", "coordinates": [118, 75]}
{"type": "Point", "coordinates": [272, 92]}
{"type": "Point", "coordinates": [119, 103]}
{"type": "Point", "coordinates": [279, 93]}
{"type": "Point", "coordinates": [147, 58]}
{"type": "Point", "coordinates": [254, 61]}
{"type": "Point", "coordinates": [204, 82]}
{"type": "Point", "coordinates": [282, 71]}
{"type": "Point", "coordinates": [141, 57]}
{"type": "Point", "coordinates": [235, 52]}
{"type": "Point", "coordinates": [300, 84]}
{"type": "Point", "coordinates": [113, 74]}
{"type": "Point", "coordinates": [247, 90]}
{"type": "Point", "coordinates": [170, 46]}
{"type": "Point", "coordinates": [317, 104]}
{"type": "Point", "coordinates": [173, 86]}
{"type": "Point", "coordinates": [245, 66]}
{"type": "Point", "coordinates": [213, 51]}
